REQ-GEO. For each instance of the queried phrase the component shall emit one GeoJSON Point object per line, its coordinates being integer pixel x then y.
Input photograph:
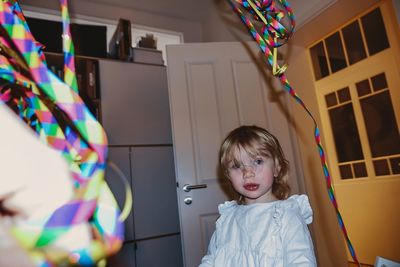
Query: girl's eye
{"type": "Point", "coordinates": [258, 161]}
{"type": "Point", "coordinates": [235, 166]}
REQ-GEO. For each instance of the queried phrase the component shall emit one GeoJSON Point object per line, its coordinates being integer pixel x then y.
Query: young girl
{"type": "Point", "coordinates": [265, 227]}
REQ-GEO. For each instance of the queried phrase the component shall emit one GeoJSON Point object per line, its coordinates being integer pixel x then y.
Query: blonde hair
{"type": "Point", "coordinates": [256, 141]}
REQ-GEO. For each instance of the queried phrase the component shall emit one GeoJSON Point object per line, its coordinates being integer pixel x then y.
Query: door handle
{"type": "Point", "coordinates": [188, 187]}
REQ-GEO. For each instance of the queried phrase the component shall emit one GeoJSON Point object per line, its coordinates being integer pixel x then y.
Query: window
{"type": "Point", "coordinates": [356, 88]}
{"type": "Point", "coordinates": [334, 47]}
{"type": "Point", "coordinates": [346, 137]}
{"type": "Point", "coordinates": [319, 61]}
{"type": "Point", "coordinates": [353, 42]}
{"type": "Point", "coordinates": [372, 28]}
{"type": "Point", "coordinates": [381, 126]}
{"type": "Point", "coordinates": [379, 122]}
{"type": "Point", "coordinates": [374, 34]}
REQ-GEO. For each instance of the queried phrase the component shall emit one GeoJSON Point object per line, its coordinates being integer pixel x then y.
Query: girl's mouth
{"type": "Point", "coordinates": [251, 187]}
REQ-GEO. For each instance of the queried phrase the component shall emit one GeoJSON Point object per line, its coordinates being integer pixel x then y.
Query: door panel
{"type": "Point", "coordinates": [202, 85]}
{"type": "Point", "coordinates": [250, 93]}
{"type": "Point", "coordinates": [207, 224]}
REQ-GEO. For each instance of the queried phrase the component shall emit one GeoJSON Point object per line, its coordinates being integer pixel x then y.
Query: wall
{"type": "Point", "coordinates": [223, 25]}
{"type": "Point", "coordinates": [192, 30]}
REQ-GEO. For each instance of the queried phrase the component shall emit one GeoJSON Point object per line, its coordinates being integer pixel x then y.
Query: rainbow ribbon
{"type": "Point", "coordinates": [54, 110]}
{"type": "Point", "coordinates": [274, 34]}
{"type": "Point", "coordinates": [68, 49]}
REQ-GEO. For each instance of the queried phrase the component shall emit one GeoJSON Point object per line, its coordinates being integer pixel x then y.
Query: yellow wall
{"type": "Point", "coordinates": [371, 213]}
{"type": "Point", "coordinates": [369, 209]}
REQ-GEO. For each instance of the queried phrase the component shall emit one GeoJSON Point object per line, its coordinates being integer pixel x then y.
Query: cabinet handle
{"type": "Point", "coordinates": [188, 187]}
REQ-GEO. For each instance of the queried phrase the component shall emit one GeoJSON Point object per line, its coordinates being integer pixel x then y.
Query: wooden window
{"type": "Point", "coordinates": [345, 132]}
{"type": "Point", "coordinates": [353, 42]}
{"type": "Point", "coordinates": [374, 31]}
{"type": "Point", "coordinates": [337, 59]}
{"type": "Point", "coordinates": [380, 119]}
{"type": "Point", "coordinates": [319, 61]}
{"type": "Point", "coordinates": [329, 56]}
{"type": "Point", "coordinates": [357, 88]}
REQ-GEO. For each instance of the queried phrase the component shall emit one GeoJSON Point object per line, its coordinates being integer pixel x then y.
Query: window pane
{"type": "Point", "coordinates": [360, 170]}
{"type": "Point", "coordinates": [353, 42]}
{"type": "Point", "coordinates": [345, 171]}
{"type": "Point", "coordinates": [363, 88]}
{"type": "Point", "coordinates": [379, 82]}
{"type": "Point", "coordinates": [381, 167]}
{"type": "Point", "coordinates": [319, 62]}
{"type": "Point", "coordinates": [375, 32]}
{"type": "Point", "coordinates": [345, 132]}
{"type": "Point", "coordinates": [381, 125]}
{"type": "Point", "coordinates": [395, 163]}
{"type": "Point", "coordinates": [336, 56]}
{"type": "Point", "coordinates": [344, 95]}
{"type": "Point", "coordinates": [330, 99]}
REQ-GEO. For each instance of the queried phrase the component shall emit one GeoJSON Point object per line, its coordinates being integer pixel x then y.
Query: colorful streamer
{"type": "Point", "coordinates": [269, 13]}
{"type": "Point", "coordinates": [68, 49]}
{"type": "Point", "coordinates": [54, 110]}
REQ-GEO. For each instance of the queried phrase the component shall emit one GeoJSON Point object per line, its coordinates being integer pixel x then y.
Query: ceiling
{"type": "Point", "coordinates": [194, 10]}
{"type": "Point", "coordinates": [197, 10]}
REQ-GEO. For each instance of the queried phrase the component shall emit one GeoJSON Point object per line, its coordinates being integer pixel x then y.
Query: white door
{"type": "Point", "coordinates": [214, 88]}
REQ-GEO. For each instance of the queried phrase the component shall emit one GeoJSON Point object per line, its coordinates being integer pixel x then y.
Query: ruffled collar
{"type": "Point", "coordinates": [299, 202]}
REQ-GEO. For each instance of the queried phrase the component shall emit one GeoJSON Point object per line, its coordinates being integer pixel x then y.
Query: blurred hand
{"type": "Point", "coordinates": [34, 182]}
{"type": "Point", "coordinates": [34, 178]}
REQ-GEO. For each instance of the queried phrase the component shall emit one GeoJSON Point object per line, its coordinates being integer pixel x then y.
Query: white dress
{"type": "Point", "coordinates": [271, 234]}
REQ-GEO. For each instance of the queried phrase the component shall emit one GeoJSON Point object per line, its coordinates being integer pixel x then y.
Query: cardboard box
{"type": "Point", "coordinates": [147, 55]}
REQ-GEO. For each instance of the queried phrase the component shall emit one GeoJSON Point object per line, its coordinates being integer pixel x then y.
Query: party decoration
{"type": "Point", "coordinates": [272, 34]}
{"type": "Point", "coordinates": [68, 49]}
{"type": "Point", "coordinates": [54, 110]}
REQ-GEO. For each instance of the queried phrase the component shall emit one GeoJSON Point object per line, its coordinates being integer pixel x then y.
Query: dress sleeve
{"type": "Point", "coordinates": [208, 260]}
{"type": "Point", "coordinates": [297, 244]}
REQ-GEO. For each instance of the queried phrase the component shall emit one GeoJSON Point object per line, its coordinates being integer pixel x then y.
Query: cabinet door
{"type": "Point", "coordinates": [165, 252]}
{"type": "Point", "coordinates": [124, 258]}
{"type": "Point", "coordinates": [134, 103]}
{"type": "Point", "coordinates": [120, 156]}
{"type": "Point", "coordinates": [155, 206]}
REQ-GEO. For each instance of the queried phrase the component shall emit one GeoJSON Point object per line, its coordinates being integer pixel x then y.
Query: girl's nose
{"type": "Point", "coordinates": [248, 170]}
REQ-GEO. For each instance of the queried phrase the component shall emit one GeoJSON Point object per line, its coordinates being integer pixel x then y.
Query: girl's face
{"type": "Point", "coordinates": [253, 177]}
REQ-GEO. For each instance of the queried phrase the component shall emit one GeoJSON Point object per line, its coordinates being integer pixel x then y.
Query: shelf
{"type": "Point", "coordinates": [87, 74]}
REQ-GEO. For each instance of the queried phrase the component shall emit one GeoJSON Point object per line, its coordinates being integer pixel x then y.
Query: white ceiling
{"type": "Point", "coordinates": [197, 10]}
